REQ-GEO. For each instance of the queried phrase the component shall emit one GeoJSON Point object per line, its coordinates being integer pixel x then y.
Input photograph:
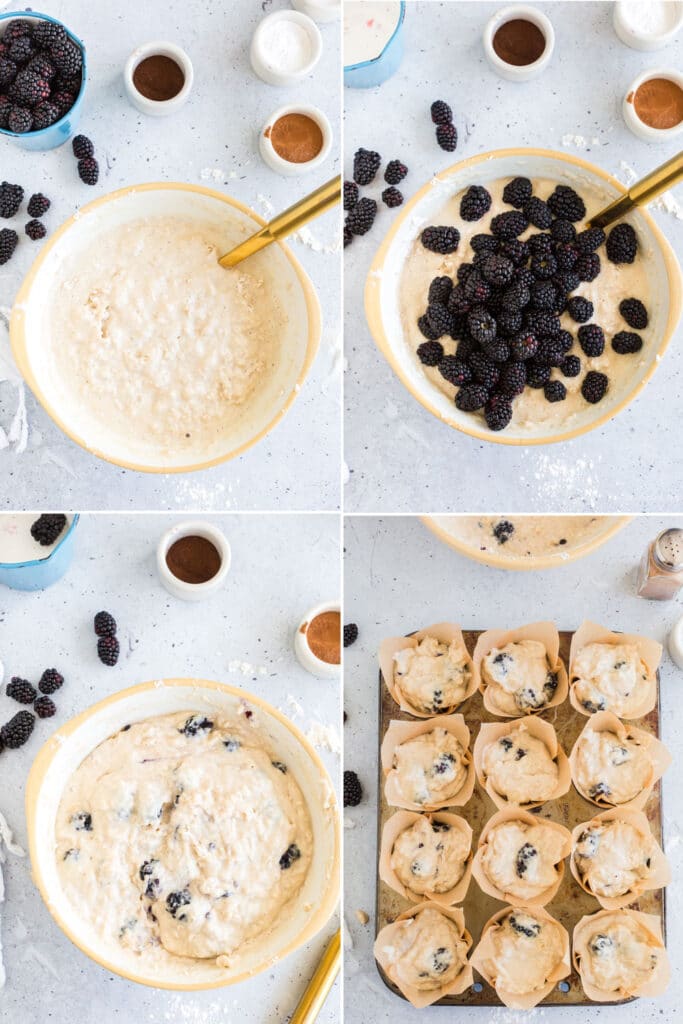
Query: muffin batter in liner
{"type": "Point", "coordinates": [384, 943]}
{"type": "Point", "coordinates": [485, 952]}
{"type": "Point", "coordinates": [651, 926]}
{"type": "Point", "coordinates": [545, 633]}
{"type": "Point", "coordinates": [659, 872]}
{"type": "Point", "coordinates": [400, 732]}
{"type": "Point", "coordinates": [397, 824]}
{"type": "Point", "coordinates": [446, 632]}
{"type": "Point", "coordinates": [487, 885]}
{"type": "Point", "coordinates": [650, 652]}
{"type": "Point", "coordinates": [659, 757]}
{"type": "Point", "coordinates": [491, 732]}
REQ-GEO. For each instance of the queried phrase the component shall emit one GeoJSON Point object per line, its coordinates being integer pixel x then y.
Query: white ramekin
{"type": "Point", "coordinates": [193, 591]}
{"type": "Point", "coordinates": [305, 656]}
{"type": "Point", "coordinates": [259, 57]}
{"type": "Point", "coordinates": [510, 71]}
{"type": "Point", "coordinates": [638, 40]}
{"type": "Point", "coordinates": [286, 167]}
{"type": "Point", "coordinates": [628, 108]}
{"type": "Point", "coordinates": [318, 10]}
{"type": "Point", "coordinates": [158, 108]}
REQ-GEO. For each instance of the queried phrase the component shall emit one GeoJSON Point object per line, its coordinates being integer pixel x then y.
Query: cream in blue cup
{"type": "Point", "coordinates": [373, 41]}
{"type": "Point", "coordinates": [24, 563]}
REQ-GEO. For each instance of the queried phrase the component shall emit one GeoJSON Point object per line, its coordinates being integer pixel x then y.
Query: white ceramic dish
{"type": "Point", "coordinates": [646, 41]}
{"type": "Point", "coordinates": [286, 167]}
{"type": "Point", "coordinates": [307, 659]}
{"type": "Point", "coordinates": [180, 588]}
{"type": "Point", "coordinates": [521, 72]}
{"type": "Point", "coordinates": [638, 127]}
{"type": "Point", "coordinates": [158, 108]}
{"type": "Point", "coordinates": [321, 11]}
{"type": "Point", "coordinates": [261, 56]}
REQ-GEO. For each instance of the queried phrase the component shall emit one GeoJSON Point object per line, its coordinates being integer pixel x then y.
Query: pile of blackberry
{"type": "Point", "coordinates": [503, 307]}
{"type": "Point", "coordinates": [446, 132]}
{"type": "Point", "coordinates": [40, 75]}
{"type": "Point", "coordinates": [11, 198]}
{"type": "Point", "coordinates": [15, 733]}
{"type": "Point", "coordinates": [362, 210]}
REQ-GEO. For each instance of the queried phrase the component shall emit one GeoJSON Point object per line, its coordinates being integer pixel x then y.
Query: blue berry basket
{"type": "Point", "coordinates": [370, 73]}
{"type": "Point", "coordinates": [40, 573]}
{"type": "Point", "coordinates": [61, 131]}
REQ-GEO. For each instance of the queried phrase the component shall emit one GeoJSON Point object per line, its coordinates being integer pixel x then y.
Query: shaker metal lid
{"type": "Point", "coordinates": [668, 549]}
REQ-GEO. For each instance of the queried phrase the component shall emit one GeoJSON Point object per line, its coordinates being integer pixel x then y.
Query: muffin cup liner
{"type": "Point", "coordinates": [547, 634]}
{"type": "Point", "coordinates": [652, 924]}
{"type": "Point", "coordinates": [418, 997]}
{"type": "Point", "coordinates": [398, 823]}
{"type": "Point", "coordinates": [483, 880]}
{"type": "Point", "coordinates": [649, 650]}
{"type": "Point", "coordinates": [446, 632]}
{"type": "Point", "coordinates": [400, 732]}
{"type": "Point", "coordinates": [542, 730]}
{"type": "Point", "coordinates": [485, 951]}
{"type": "Point", "coordinates": [660, 872]}
{"type": "Point", "coordinates": [660, 758]}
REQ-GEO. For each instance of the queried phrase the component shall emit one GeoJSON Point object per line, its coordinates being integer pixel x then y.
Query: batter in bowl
{"type": "Point", "coordinates": [610, 769]}
{"type": "Point", "coordinates": [526, 950]}
{"type": "Point", "coordinates": [523, 537]}
{"type": "Point", "coordinates": [182, 836]}
{"type": "Point", "coordinates": [430, 769]}
{"type": "Point", "coordinates": [427, 951]}
{"type": "Point", "coordinates": [521, 676]}
{"type": "Point", "coordinates": [520, 767]}
{"type": "Point", "coordinates": [610, 677]}
{"type": "Point", "coordinates": [432, 677]}
{"type": "Point", "coordinates": [522, 860]}
{"type": "Point", "coordinates": [613, 857]}
{"type": "Point", "coordinates": [620, 954]}
{"type": "Point", "coordinates": [430, 856]}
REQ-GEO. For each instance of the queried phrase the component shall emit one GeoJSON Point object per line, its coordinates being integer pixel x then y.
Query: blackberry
{"type": "Point", "coordinates": [348, 235]}
{"type": "Point", "coordinates": [21, 50]}
{"type": "Point", "coordinates": [594, 386]}
{"type": "Point", "coordinates": [196, 725]}
{"type": "Point", "coordinates": [440, 319]}
{"type": "Point", "coordinates": [47, 34]}
{"type": "Point", "coordinates": [63, 101]}
{"type": "Point", "coordinates": [68, 83]}
{"type": "Point", "coordinates": [622, 244]}
{"type": "Point", "coordinates": [580, 309]}
{"type": "Point", "coordinates": [543, 266]}
{"type": "Point", "coordinates": [497, 413]}
{"type": "Point", "coordinates": [512, 380]}
{"type": "Point", "coordinates": [89, 172]}
{"type": "Point", "coordinates": [14, 733]}
{"type": "Point", "coordinates": [484, 243]}
{"type": "Point", "coordinates": [517, 192]}
{"type": "Point", "coordinates": [566, 281]}
{"type": "Point", "coordinates": [66, 57]}
{"type": "Point", "coordinates": [38, 204]}
{"type": "Point", "coordinates": [475, 203]}
{"type": "Point", "coordinates": [47, 528]}
{"type": "Point", "coordinates": [566, 255]}
{"type": "Point", "coordinates": [592, 340]}
{"type": "Point", "coordinates": [515, 250]}
{"type": "Point", "coordinates": [485, 370]}
{"type": "Point", "coordinates": [16, 28]}
{"type": "Point", "coordinates": [588, 266]}
{"type": "Point", "coordinates": [42, 67]}
{"type": "Point", "coordinates": [291, 854]}
{"type": "Point", "coordinates": [476, 289]}
{"type": "Point", "coordinates": [634, 313]}
{"type": "Point", "coordinates": [509, 321]}
{"type": "Point", "coordinates": [555, 391]}
{"type": "Point", "coordinates": [497, 270]}
{"type": "Point", "coordinates": [627, 343]}
{"type": "Point", "coordinates": [523, 346]}
{"type": "Point", "coordinates": [540, 244]}
{"type": "Point", "coordinates": [366, 163]}
{"type": "Point", "coordinates": [175, 901]}
{"type": "Point", "coordinates": [430, 353]}
{"type": "Point", "coordinates": [353, 791]}
{"type": "Point", "coordinates": [395, 172]}
{"type": "Point", "coordinates": [538, 213]}
{"type": "Point", "coordinates": [543, 295]}
{"type": "Point", "coordinates": [590, 240]}
{"type": "Point", "coordinates": [50, 681]}
{"type": "Point", "coordinates": [44, 115]}
{"type": "Point", "coordinates": [447, 137]}
{"type": "Point", "coordinates": [8, 243]}
{"type": "Point", "coordinates": [350, 634]}
{"type": "Point", "coordinates": [8, 70]}
{"type": "Point", "coordinates": [565, 340]}
{"type": "Point", "coordinates": [482, 326]}
{"type": "Point", "coordinates": [426, 329]}
{"type": "Point", "coordinates": [82, 821]}
{"type": "Point", "coordinates": [524, 277]}
{"type": "Point", "coordinates": [35, 229]}
{"type": "Point", "coordinates": [440, 239]}
{"type": "Point", "coordinates": [565, 204]}
{"type": "Point", "coordinates": [391, 197]}
{"type": "Point", "coordinates": [108, 650]}
{"type": "Point", "coordinates": [497, 349]}
{"type": "Point", "coordinates": [359, 220]}
{"type": "Point", "coordinates": [31, 89]}
{"type": "Point", "coordinates": [542, 323]}
{"type": "Point", "coordinates": [20, 120]}
{"type": "Point", "coordinates": [81, 145]}
{"type": "Point", "coordinates": [464, 271]}
{"type": "Point", "coordinates": [5, 107]}
{"type": "Point", "coordinates": [517, 296]}
{"type": "Point", "coordinates": [550, 352]}
{"type": "Point", "coordinates": [21, 690]}
{"type": "Point", "coordinates": [537, 376]}
{"type": "Point", "coordinates": [441, 112]}
{"type": "Point", "coordinates": [563, 231]}
{"type": "Point", "coordinates": [104, 624]}
{"type": "Point", "coordinates": [44, 707]}
{"type": "Point", "coordinates": [440, 290]}
{"type": "Point", "coordinates": [571, 366]}
{"type": "Point", "coordinates": [509, 225]}
{"type": "Point", "coordinates": [455, 371]}
{"type": "Point", "coordinates": [471, 397]}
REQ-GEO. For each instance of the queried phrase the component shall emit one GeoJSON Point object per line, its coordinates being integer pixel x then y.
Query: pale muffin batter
{"type": "Point", "coordinates": [432, 677]}
{"type": "Point", "coordinates": [430, 769]}
{"type": "Point", "coordinates": [429, 857]}
{"type": "Point", "coordinates": [182, 836]}
{"type": "Point", "coordinates": [610, 769]}
{"type": "Point", "coordinates": [524, 537]}
{"type": "Point", "coordinates": [521, 676]}
{"type": "Point", "coordinates": [426, 951]}
{"type": "Point", "coordinates": [522, 859]}
{"type": "Point", "coordinates": [526, 950]}
{"type": "Point", "coordinates": [620, 954]}
{"type": "Point", "coordinates": [610, 677]}
{"type": "Point", "coordinates": [520, 767]}
{"type": "Point", "coordinates": [613, 857]}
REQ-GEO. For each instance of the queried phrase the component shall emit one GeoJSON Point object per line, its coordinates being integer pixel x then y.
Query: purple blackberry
{"type": "Point", "coordinates": [47, 528]}
{"type": "Point", "coordinates": [497, 270]}
{"type": "Point", "coordinates": [455, 371]}
{"type": "Point", "coordinates": [570, 366]}
{"type": "Point", "coordinates": [538, 213]}
{"type": "Point", "coordinates": [543, 295]}
{"type": "Point", "coordinates": [348, 235]}
{"type": "Point", "coordinates": [89, 172]}
{"type": "Point", "coordinates": [31, 89]}
{"type": "Point", "coordinates": [590, 240]}
{"type": "Point", "coordinates": [108, 650]}
{"type": "Point", "coordinates": [497, 413]}
{"type": "Point", "coordinates": [523, 346]}
{"type": "Point", "coordinates": [38, 205]}
{"type": "Point", "coordinates": [509, 322]}
{"type": "Point", "coordinates": [395, 172]}
{"type": "Point", "coordinates": [5, 107]}
{"type": "Point", "coordinates": [441, 112]}
{"type": "Point", "coordinates": [430, 353]}
{"type": "Point", "coordinates": [8, 70]}
{"type": "Point", "coordinates": [47, 34]}
{"type": "Point", "coordinates": [484, 243]}
{"type": "Point", "coordinates": [366, 163]}
{"type": "Point", "coordinates": [563, 231]}
{"type": "Point", "coordinates": [35, 229]}
{"type": "Point", "coordinates": [515, 251]}
{"type": "Point", "coordinates": [20, 120]}
{"type": "Point", "coordinates": [517, 192]}
{"type": "Point", "coordinates": [634, 313]}
{"type": "Point", "coordinates": [15, 29]}
{"type": "Point", "coordinates": [566, 204]}
{"type": "Point", "coordinates": [50, 681]}
{"type": "Point", "coordinates": [542, 323]}
{"type": "Point", "coordinates": [509, 225]}
{"type": "Point", "coordinates": [8, 243]}
{"type": "Point", "coordinates": [21, 690]}
{"type": "Point", "coordinates": [543, 265]}
{"type": "Point", "coordinates": [44, 707]}
{"type": "Point", "coordinates": [441, 239]}
{"type": "Point", "coordinates": [104, 624]}
{"type": "Point", "coordinates": [14, 733]}
{"type": "Point", "coordinates": [471, 397]}
{"type": "Point", "coordinates": [565, 254]}
{"type": "Point", "coordinates": [440, 290]}
{"type": "Point", "coordinates": [512, 379]}
{"type": "Point", "coordinates": [42, 67]}
{"type": "Point", "coordinates": [447, 137]}
{"type": "Point", "coordinates": [391, 197]}
{"type": "Point", "coordinates": [476, 289]}
{"type": "Point", "coordinates": [481, 325]}
{"type": "Point", "coordinates": [66, 57]}
{"type": "Point", "coordinates": [588, 266]}
{"type": "Point", "coordinates": [351, 194]}
{"type": "Point", "coordinates": [550, 352]}
{"type": "Point", "coordinates": [440, 318]}
{"type": "Point", "coordinates": [484, 370]}
{"type": "Point", "coordinates": [426, 328]}
{"type": "Point", "coordinates": [21, 50]}
{"type": "Point", "coordinates": [44, 115]}
{"type": "Point", "coordinates": [537, 376]}
{"type": "Point", "coordinates": [353, 791]}
{"type": "Point", "coordinates": [592, 340]}
{"type": "Point", "coordinates": [350, 634]}
{"type": "Point", "coordinates": [565, 340]}
{"type": "Point", "coordinates": [63, 101]}
{"type": "Point", "coordinates": [11, 197]}
{"type": "Point", "coordinates": [627, 343]}
{"type": "Point", "coordinates": [580, 309]}
{"type": "Point", "coordinates": [475, 203]}
{"type": "Point", "coordinates": [566, 281]}
{"type": "Point", "coordinates": [555, 391]}
{"type": "Point", "coordinates": [360, 218]}
{"type": "Point", "coordinates": [622, 244]}
{"type": "Point", "coordinates": [517, 296]}
{"type": "Point", "coordinates": [594, 386]}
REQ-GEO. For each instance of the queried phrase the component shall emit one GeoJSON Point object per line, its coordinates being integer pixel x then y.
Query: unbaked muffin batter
{"type": "Point", "coordinates": [620, 954]}
{"type": "Point", "coordinates": [182, 836]}
{"type": "Point", "coordinates": [610, 769]}
{"type": "Point", "coordinates": [522, 859]}
{"type": "Point", "coordinates": [430, 856]}
{"type": "Point", "coordinates": [431, 768]}
{"type": "Point", "coordinates": [427, 951]}
{"type": "Point", "coordinates": [520, 767]}
{"type": "Point", "coordinates": [523, 537]}
{"type": "Point", "coordinates": [610, 677]}
{"type": "Point", "coordinates": [521, 676]}
{"type": "Point", "coordinates": [526, 950]}
{"type": "Point", "coordinates": [612, 857]}
{"type": "Point", "coordinates": [433, 676]}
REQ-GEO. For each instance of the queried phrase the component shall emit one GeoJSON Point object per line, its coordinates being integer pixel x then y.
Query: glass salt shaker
{"type": "Point", "coordinates": [660, 575]}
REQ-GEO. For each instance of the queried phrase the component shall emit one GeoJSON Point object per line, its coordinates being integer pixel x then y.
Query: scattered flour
{"type": "Point", "coordinates": [6, 843]}
{"type": "Point", "coordinates": [324, 737]}
{"type": "Point", "coordinates": [216, 174]}
{"type": "Point", "coordinates": [346, 473]}
{"type": "Point", "coordinates": [245, 668]}
{"type": "Point", "coordinates": [294, 706]}
{"type": "Point", "coordinates": [16, 437]}
{"type": "Point", "coordinates": [346, 935]}
{"type": "Point", "coordinates": [349, 822]}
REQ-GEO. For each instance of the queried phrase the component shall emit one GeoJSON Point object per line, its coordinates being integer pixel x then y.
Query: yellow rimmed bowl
{"type": "Point", "coordinates": [597, 533]}
{"type": "Point", "coordinates": [382, 291]}
{"type": "Point", "coordinates": [245, 426]}
{"type": "Point", "coordinates": [66, 749]}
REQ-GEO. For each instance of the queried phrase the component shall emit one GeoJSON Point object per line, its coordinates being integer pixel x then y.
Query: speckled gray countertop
{"type": "Point", "coordinates": [398, 577]}
{"type": "Point", "coordinates": [212, 141]}
{"type": "Point", "coordinates": [281, 567]}
{"type": "Point", "coordinates": [399, 457]}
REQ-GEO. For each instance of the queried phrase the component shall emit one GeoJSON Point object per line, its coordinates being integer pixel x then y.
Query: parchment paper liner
{"type": "Point", "coordinates": [661, 976]}
{"type": "Point", "coordinates": [398, 823]}
{"type": "Point", "coordinates": [444, 631]}
{"type": "Point", "coordinates": [547, 634]}
{"type": "Point", "coordinates": [660, 872]}
{"type": "Point", "coordinates": [660, 758]}
{"type": "Point", "coordinates": [483, 880]}
{"type": "Point", "coordinates": [484, 951]}
{"type": "Point", "coordinates": [492, 731]}
{"type": "Point", "coordinates": [650, 651]}
{"type": "Point", "coordinates": [399, 732]}
{"type": "Point", "coordinates": [418, 997]}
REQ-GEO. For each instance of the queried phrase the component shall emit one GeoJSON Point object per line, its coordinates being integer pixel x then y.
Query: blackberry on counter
{"type": "Point", "coordinates": [580, 309]}
{"type": "Point", "coordinates": [108, 650]}
{"type": "Point", "coordinates": [20, 120]}
{"type": "Point", "coordinates": [395, 172]}
{"type": "Point", "coordinates": [594, 386]}
{"type": "Point", "coordinates": [440, 290]}
{"type": "Point", "coordinates": [361, 217]}
{"type": "Point", "coordinates": [348, 235]}
{"type": "Point", "coordinates": [11, 197]}
{"type": "Point", "coordinates": [455, 371]}
{"type": "Point", "coordinates": [441, 239]}
{"type": "Point", "coordinates": [47, 34]}
{"type": "Point", "coordinates": [592, 340]}
{"type": "Point", "coordinates": [447, 137]}
{"type": "Point", "coordinates": [350, 634]}
{"type": "Point", "coordinates": [44, 707]}
{"type": "Point", "coordinates": [21, 690]}
{"type": "Point", "coordinates": [351, 193]}
{"type": "Point", "coordinates": [566, 204]}
{"type": "Point", "coordinates": [8, 243]}
{"type": "Point", "coordinates": [38, 205]}
{"type": "Point", "coordinates": [83, 148]}
{"type": "Point", "coordinates": [35, 230]}
{"type": "Point", "coordinates": [441, 112]}
{"type": "Point", "coordinates": [14, 733]}
{"type": "Point", "coordinates": [430, 353]}
{"type": "Point", "coordinates": [89, 171]}
{"type": "Point", "coordinates": [538, 213]}
{"type": "Point", "coordinates": [50, 681]}
{"type": "Point", "coordinates": [426, 328]}
{"type": "Point", "coordinates": [353, 791]}
{"type": "Point", "coordinates": [66, 57]}
{"type": "Point", "coordinates": [555, 391]}
{"type": "Point", "coordinates": [626, 343]}
{"type": "Point", "coordinates": [563, 231]}
{"type": "Point", "coordinates": [590, 239]}
{"type": "Point", "coordinates": [634, 313]}
{"type": "Point", "coordinates": [471, 397]}
{"type": "Point", "coordinates": [392, 197]}
{"type": "Point", "coordinates": [571, 366]}
{"type": "Point", "coordinates": [104, 624]}
{"type": "Point", "coordinates": [475, 203]}
{"type": "Point", "coordinates": [622, 244]}
{"type": "Point", "coordinates": [44, 115]}
{"type": "Point", "coordinates": [48, 527]}
{"type": "Point", "coordinates": [497, 413]}
{"type": "Point", "coordinates": [497, 270]}
{"type": "Point", "coordinates": [517, 192]}
{"type": "Point", "coordinates": [366, 163]}
{"type": "Point", "coordinates": [588, 266]}
{"type": "Point", "coordinates": [509, 225]}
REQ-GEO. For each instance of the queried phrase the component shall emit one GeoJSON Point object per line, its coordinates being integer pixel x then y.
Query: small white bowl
{"type": "Point", "coordinates": [641, 40]}
{"type": "Point", "coordinates": [193, 591]}
{"type": "Point", "coordinates": [628, 108]}
{"type": "Point", "coordinates": [512, 72]}
{"type": "Point", "coordinates": [158, 108]}
{"type": "Point", "coordinates": [307, 659]}
{"type": "Point", "coordinates": [287, 167]}
{"type": "Point", "coordinates": [319, 10]}
{"type": "Point", "coordinates": [261, 58]}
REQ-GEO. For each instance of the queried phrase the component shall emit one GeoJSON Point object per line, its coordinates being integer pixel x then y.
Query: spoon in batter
{"type": "Point", "coordinates": [642, 192]}
{"type": "Point", "coordinates": [323, 199]}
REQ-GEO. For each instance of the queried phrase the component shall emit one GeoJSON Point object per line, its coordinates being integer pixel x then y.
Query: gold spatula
{"type": "Point", "coordinates": [320, 984]}
{"type": "Point", "coordinates": [642, 192]}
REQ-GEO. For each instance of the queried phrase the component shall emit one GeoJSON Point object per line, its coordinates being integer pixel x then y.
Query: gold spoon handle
{"type": "Point", "coordinates": [323, 199]}
{"type": "Point", "coordinates": [320, 984]}
{"type": "Point", "coordinates": [642, 192]}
